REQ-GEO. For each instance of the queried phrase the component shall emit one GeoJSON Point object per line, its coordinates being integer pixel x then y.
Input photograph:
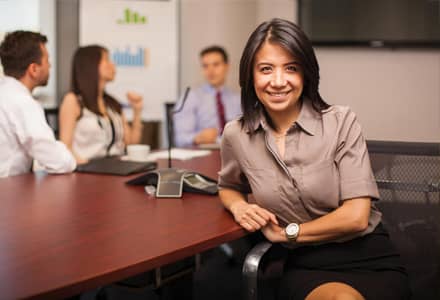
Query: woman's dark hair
{"type": "Point", "coordinates": [19, 49]}
{"type": "Point", "coordinates": [293, 39]}
{"type": "Point", "coordinates": [85, 78]}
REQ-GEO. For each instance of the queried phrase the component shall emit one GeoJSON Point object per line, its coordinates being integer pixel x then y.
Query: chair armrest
{"type": "Point", "coordinates": [250, 270]}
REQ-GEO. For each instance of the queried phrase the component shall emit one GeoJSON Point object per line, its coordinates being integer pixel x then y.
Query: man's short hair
{"type": "Point", "coordinates": [19, 49]}
{"type": "Point", "coordinates": [215, 49]}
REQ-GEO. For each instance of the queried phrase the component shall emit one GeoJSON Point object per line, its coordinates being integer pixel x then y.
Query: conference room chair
{"type": "Point", "coordinates": [51, 115]}
{"type": "Point", "coordinates": [169, 108]}
{"type": "Point", "coordinates": [408, 177]}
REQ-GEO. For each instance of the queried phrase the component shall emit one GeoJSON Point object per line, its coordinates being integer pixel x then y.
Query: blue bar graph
{"type": "Point", "coordinates": [128, 59]}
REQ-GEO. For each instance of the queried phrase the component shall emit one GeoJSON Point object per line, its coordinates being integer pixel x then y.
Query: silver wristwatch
{"type": "Point", "coordinates": [292, 232]}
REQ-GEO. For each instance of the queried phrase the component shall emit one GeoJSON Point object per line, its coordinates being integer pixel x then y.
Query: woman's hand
{"type": "Point", "coordinates": [274, 233]}
{"type": "Point", "coordinates": [251, 216]}
{"type": "Point", "coordinates": [133, 133]}
{"type": "Point", "coordinates": [136, 101]}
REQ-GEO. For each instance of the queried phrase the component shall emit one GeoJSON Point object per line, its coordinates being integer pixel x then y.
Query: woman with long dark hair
{"type": "Point", "coordinates": [307, 165]}
{"type": "Point", "coordinates": [92, 123]}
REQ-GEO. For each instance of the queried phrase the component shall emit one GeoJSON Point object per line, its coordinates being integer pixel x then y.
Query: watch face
{"type": "Point", "coordinates": [292, 229]}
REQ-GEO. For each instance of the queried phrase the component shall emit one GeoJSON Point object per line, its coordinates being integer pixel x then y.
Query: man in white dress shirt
{"type": "Point", "coordinates": [24, 132]}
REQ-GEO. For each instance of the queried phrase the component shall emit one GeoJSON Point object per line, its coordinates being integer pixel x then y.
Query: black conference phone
{"type": "Point", "coordinates": [170, 182]}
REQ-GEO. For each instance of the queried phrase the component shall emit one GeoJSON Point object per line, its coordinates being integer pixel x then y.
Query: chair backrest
{"type": "Point", "coordinates": [408, 177]}
{"type": "Point", "coordinates": [51, 115]}
{"type": "Point", "coordinates": [169, 108]}
{"type": "Point", "coordinates": [407, 171]}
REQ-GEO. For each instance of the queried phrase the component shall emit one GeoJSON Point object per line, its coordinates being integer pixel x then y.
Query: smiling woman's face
{"type": "Point", "coordinates": [278, 78]}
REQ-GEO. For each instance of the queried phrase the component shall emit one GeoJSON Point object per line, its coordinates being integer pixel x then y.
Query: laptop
{"type": "Point", "coordinates": [114, 166]}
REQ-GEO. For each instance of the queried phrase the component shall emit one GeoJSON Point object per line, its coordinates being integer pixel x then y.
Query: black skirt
{"type": "Point", "coordinates": [370, 264]}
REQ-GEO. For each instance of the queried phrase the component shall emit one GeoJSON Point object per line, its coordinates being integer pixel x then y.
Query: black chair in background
{"type": "Point", "coordinates": [51, 115]}
{"type": "Point", "coordinates": [169, 108]}
{"type": "Point", "coordinates": [408, 177]}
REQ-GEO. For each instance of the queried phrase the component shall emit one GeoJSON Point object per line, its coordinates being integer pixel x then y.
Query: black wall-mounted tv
{"type": "Point", "coordinates": [372, 23]}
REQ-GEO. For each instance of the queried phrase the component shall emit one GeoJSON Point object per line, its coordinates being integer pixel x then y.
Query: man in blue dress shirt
{"type": "Point", "coordinates": [209, 106]}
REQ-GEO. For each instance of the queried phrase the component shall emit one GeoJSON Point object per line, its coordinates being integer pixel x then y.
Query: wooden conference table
{"type": "Point", "coordinates": [64, 234]}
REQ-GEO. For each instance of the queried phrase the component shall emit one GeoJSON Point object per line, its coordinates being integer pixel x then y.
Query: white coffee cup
{"type": "Point", "coordinates": [138, 152]}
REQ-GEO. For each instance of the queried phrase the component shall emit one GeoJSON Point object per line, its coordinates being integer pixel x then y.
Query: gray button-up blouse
{"type": "Point", "coordinates": [325, 162]}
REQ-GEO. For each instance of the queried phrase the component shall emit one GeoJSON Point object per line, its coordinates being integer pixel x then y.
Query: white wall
{"type": "Point", "coordinates": [396, 94]}
{"type": "Point", "coordinates": [34, 16]}
{"type": "Point", "coordinates": [18, 14]}
{"type": "Point", "coordinates": [47, 94]}
{"type": "Point", "coordinates": [207, 22]}
{"type": "Point", "coordinates": [268, 9]}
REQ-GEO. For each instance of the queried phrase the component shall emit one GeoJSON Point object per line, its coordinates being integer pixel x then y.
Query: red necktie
{"type": "Point", "coordinates": [220, 111]}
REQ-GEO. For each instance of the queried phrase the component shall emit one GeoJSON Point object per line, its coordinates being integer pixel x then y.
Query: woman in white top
{"type": "Point", "coordinates": [92, 123]}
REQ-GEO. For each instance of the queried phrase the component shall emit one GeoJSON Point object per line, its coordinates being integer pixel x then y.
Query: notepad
{"type": "Point", "coordinates": [115, 166]}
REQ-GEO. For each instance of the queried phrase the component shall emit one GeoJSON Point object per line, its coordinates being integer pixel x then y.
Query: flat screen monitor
{"type": "Point", "coordinates": [377, 23]}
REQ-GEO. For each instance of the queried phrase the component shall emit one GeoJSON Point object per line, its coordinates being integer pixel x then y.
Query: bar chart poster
{"type": "Point", "coordinates": [141, 38]}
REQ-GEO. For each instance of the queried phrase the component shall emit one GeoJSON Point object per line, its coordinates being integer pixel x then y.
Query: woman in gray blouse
{"type": "Point", "coordinates": [307, 165]}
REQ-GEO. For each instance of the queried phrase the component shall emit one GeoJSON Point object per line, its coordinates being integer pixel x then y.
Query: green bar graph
{"type": "Point", "coordinates": [127, 15]}
{"type": "Point", "coordinates": [132, 17]}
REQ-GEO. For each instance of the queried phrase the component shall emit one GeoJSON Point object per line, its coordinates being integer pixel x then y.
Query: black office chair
{"type": "Point", "coordinates": [51, 115]}
{"type": "Point", "coordinates": [169, 108]}
{"type": "Point", "coordinates": [408, 177]}
{"type": "Point", "coordinates": [262, 270]}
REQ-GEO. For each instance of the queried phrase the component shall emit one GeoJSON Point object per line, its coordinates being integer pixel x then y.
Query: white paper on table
{"type": "Point", "coordinates": [177, 153]}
